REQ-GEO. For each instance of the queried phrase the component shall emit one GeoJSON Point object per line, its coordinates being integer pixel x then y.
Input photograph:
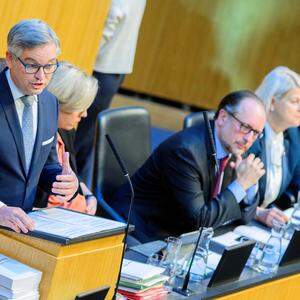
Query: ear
{"type": "Point", "coordinates": [9, 59]}
{"type": "Point", "coordinates": [222, 117]}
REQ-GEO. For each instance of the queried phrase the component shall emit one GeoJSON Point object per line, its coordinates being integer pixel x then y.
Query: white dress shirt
{"type": "Point", "coordinates": [274, 153]}
{"type": "Point", "coordinates": [17, 94]}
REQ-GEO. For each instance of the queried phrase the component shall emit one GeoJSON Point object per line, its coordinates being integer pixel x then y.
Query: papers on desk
{"type": "Point", "coordinates": [65, 226]}
{"type": "Point", "coordinates": [17, 280]}
{"type": "Point", "coordinates": [139, 271]}
{"type": "Point", "coordinates": [141, 281]}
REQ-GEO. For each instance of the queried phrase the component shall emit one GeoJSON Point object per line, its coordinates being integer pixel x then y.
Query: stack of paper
{"type": "Point", "coordinates": [18, 281]}
{"type": "Point", "coordinates": [142, 281]}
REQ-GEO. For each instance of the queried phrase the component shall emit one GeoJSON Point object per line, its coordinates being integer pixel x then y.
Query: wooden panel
{"type": "Point", "coordinates": [76, 268]}
{"type": "Point", "coordinates": [286, 288]}
{"type": "Point", "coordinates": [77, 23]}
{"type": "Point", "coordinates": [196, 51]}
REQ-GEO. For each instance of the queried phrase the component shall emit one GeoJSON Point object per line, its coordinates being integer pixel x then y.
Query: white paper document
{"type": "Point", "coordinates": [70, 224]}
{"type": "Point", "coordinates": [15, 276]}
{"type": "Point", "coordinates": [139, 271]}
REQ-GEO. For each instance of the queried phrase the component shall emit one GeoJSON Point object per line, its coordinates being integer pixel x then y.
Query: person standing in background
{"type": "Point", "coordinates": [115, 59]}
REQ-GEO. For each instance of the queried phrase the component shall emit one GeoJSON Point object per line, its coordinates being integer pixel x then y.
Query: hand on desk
{"type": "Point", "coordinates": [16, 219]}
{"type": "Point", "coordinates": [67, 183]}
{"type": "Point", "coordinates": [267, 215]}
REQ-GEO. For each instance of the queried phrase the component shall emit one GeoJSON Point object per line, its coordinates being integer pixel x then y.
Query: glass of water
{"type": "Point", "coordinates": [271, 252]}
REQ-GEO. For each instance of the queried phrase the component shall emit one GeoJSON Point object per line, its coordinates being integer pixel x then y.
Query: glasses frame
{"type": "Point", "coordinates": [244, 127]}
{"type": "Point", "coordinates": [26, 66]}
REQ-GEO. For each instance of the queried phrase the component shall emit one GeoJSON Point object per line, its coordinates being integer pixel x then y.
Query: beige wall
{"type": "Point", "coordinates": [196, 51]}
{"type": "Point", "coordinates": [78, 24]}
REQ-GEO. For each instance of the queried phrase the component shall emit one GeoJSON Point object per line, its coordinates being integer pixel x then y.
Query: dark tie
{"type": "Point", "coordinates": [27, 129]}
{"type": "Point", "coordinates": [220, 175]}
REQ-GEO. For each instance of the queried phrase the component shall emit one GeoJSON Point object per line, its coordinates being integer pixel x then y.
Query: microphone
{"type": "Point", "coordinates": [184, 290]}
{"type": "Point", "coordinates": [126, 174]}
{"type": "Point", "coordinates": [211, 141]}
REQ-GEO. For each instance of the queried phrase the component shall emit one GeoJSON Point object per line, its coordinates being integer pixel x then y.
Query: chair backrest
{"type": "Point", "coordinates": [130, 130]}
{"type": "Point", "coordinates": [196, 118]}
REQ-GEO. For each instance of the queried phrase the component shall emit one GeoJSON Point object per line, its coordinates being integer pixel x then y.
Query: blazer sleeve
{"type": "Point", "coordinates": [188, 183]}
{"type": "Point", "coordinates": [51, 169]}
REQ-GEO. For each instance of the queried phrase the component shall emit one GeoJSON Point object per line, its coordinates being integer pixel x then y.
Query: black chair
{"type": "Point", "coordinates": [196, 118]}
{"type": "Point", "coordinates": [130, 130]}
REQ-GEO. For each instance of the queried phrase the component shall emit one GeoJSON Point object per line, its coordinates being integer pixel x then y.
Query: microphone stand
{"type": "Point", "coordinates": [184, 290]}
{"type": "Point", "coordinates": [126, 174]}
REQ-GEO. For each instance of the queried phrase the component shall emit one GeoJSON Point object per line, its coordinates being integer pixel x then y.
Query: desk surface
{"type": "Point", "coordinates": [248, 279]}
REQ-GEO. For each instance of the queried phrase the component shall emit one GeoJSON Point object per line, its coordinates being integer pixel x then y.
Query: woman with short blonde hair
{"type": "Point", "coordinates": [75, 91]}
{"type": "Point", "coordinates": [279, 148]}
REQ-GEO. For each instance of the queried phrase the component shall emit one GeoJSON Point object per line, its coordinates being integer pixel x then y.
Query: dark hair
{"type": "Point", "coordinates": [233, 100]}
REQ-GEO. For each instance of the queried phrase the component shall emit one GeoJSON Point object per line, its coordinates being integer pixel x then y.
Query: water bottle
{"type": "Point", "coordinates": [198, 270]}
{"type": "Point", "coordinates": [271, 253]}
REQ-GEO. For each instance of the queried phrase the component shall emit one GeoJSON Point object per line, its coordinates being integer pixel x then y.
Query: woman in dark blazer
{"type": "Point", "coordinates": [280, 145]}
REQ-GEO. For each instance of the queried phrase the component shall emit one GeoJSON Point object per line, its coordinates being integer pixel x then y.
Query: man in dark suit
{"type": "Point", "coordinates": [28, 122]}
{"type": "Point", "coordinates": [177, 189]}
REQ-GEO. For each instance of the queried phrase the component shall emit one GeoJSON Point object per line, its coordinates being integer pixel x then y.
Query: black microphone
{"type": "Point", "coordinates": [184, 290]}
{"type": "Point", "coordinates": [126, 174]}
{"type": "Point", "coordinates": [211, 141]}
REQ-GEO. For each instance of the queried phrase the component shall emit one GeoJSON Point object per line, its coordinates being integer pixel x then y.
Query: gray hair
{"type": "Point", "coordinates": [276, 84]}
{"type": "Point", "coordinates": [29, 34]}
{"type": "Point", "coordinates": [74, 89]}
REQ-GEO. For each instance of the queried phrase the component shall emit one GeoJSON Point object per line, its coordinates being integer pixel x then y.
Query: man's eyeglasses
{"type": "Point", "coordinates": [34, 68]}
{"type": "Point", "coordinates": [245, 128]}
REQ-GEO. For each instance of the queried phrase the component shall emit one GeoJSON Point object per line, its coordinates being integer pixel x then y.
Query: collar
{"type": "Point", "coordinates": [272, 136]}
{"type": "Point", "coordinates": [16, 93]}
{"type": "Point", "coordinates": [221, 152]}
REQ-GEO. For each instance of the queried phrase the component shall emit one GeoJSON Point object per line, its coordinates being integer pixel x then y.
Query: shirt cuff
{"type": "Point", "coordinates": [2, 204]}
{"type": "Point", "coordinates": [237, 190]}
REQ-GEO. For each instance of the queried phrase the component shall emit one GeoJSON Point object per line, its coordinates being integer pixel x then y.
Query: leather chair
{"type": "Point", "coordinates": [130, 130]}
{"type": "Point", "coordinates": [196, 118]}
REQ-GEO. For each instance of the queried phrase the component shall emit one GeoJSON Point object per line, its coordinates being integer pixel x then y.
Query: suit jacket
{"type": "Point", "coordinates": [291, 166]}
{"type": "Point", "coordinates": [68, 137]}
{"type": "Point", "coordinates": [18, 188]}
{"type": "Point", "coordinates": [173, 190]}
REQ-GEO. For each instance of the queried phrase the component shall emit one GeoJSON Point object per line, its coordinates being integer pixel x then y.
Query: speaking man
{"type": "Point", "coordinates": [28, 122]}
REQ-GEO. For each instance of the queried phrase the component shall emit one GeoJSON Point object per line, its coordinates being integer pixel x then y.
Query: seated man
{"type": "Point", "coordinates": [177, 189]}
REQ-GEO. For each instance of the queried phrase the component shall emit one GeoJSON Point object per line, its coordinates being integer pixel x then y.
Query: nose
{"type": "Point", "coordinates": [249, 137]}
{"type": "Point", "coordinates": [40, 74]}
{"type": "Point", "coordinates": [84, 114]}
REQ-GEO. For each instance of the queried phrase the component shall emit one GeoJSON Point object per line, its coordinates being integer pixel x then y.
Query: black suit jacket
{"type": "Point", "coordinates": [173, 188]}
{"type": "Point", "coordinates": [18, 188]}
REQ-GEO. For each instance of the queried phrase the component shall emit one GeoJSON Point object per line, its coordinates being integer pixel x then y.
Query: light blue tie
{"type": "Point", "coordinates": [27, 129]}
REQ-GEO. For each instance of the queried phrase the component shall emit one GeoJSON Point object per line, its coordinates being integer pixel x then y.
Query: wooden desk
{"type": "Point", "coordinates": [67, 269]}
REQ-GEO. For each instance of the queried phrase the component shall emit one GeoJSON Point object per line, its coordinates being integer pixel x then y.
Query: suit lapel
{"type": "Point", "coordinates": [285, 164]}
{"type": "Point", "coordinates": [9, 108]}
{"type": "Point", "coordinates": [40, 129]}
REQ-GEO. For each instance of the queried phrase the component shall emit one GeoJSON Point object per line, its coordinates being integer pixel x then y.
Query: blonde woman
{"type": "Point", "coordinates": [75, 92]}
{"type": "Point", "coordinates": [280, 145]}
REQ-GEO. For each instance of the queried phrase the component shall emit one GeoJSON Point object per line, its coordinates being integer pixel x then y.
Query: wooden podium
{"type": "Point", "coordinates": [67, 269]}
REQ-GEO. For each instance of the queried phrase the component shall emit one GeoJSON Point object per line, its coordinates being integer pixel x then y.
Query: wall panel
{"type": "Point", "coordinates": [196, 51]}
{"type": "Point", "coordinates": [77, 23]}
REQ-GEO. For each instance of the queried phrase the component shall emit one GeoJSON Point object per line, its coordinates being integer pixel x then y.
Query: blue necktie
{"type": "Point", "coordinates": [27, 129]}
